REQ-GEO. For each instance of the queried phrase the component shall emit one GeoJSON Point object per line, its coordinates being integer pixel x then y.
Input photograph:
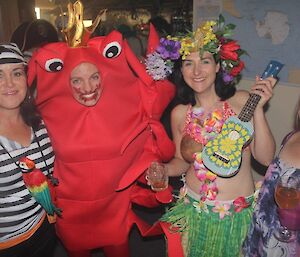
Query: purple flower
{"type": "Point", "coordinates": [227, 78]}
{"type": "Point", "coordinates": [169, 49]}
{"type": "Point", "coordinates": [157, 67]}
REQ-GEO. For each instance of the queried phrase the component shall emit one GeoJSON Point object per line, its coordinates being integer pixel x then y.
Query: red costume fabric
{"type": "Point", "coordinates": [101, 151]}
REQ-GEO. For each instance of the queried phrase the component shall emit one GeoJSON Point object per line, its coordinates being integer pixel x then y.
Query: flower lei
{"type": "Point", "coordinates": [210, 36]}
{"type": "Point", "coordinates": [212, 125]}
{"type": "Point", "coordinates": [222, 208]}
{"type": "Point", "coordinates": [203, 129]}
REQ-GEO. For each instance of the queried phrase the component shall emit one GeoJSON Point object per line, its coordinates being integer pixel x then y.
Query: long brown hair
{"type": "Point", "coordinates": [29, 111]}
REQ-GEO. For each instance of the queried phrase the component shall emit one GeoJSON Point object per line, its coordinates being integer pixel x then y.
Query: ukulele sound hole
{"type": "Point", "coordinates": [221, 158]}
{"type": "Point", "coordinates": [234, 135]}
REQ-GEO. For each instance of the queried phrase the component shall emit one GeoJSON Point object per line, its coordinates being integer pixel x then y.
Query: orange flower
{"type": "Point", "coordinates": [211, 122]}
{"type": "Point", "coordinates": [218, 114]}
{"type": "Point", "coordinates": [210, 176]}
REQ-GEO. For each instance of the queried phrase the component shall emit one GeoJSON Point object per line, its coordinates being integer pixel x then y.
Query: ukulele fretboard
{"type": "Point", "coordinates": [248, 109]}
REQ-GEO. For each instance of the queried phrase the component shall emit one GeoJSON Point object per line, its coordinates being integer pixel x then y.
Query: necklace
{"type": "Point", "coordinates": [206, 128]}
{"type": "Point", "coordinates": [49, 174]}
{"type": "Point", "coordinates": [201, 127]}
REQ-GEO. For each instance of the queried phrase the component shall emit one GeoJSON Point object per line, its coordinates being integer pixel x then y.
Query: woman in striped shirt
{"type": "Point", "coordinates": [24, 227]}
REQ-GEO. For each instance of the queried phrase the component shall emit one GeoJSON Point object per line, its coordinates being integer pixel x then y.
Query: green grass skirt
{"type": "Point", "coordinates": [208, 235]}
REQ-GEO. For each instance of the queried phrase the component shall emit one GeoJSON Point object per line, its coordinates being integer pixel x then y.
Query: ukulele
{"type": "Point", "coordinates": [223, 154]}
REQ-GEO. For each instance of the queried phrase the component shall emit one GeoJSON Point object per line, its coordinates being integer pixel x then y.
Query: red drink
{"type": "Point", "coordinates": [287, 198]}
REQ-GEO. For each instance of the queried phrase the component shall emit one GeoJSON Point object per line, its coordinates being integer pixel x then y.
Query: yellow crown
{"type": "Point", "coordinates": [76, 35]}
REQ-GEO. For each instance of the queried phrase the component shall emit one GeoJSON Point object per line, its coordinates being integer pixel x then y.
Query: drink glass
{"type": "Point", "coordinates": [287, 196]}
{"type": "Point", "coordinates": [157, 177]}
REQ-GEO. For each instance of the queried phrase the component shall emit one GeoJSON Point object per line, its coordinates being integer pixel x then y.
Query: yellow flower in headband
{"type": "Point", "coordinates": [205, 34]}
{"type": "Point", "coordinates": [187, 45]}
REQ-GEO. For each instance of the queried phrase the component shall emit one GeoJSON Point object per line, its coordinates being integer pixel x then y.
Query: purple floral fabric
{"type": "Point", "coordinates": [260, 241]}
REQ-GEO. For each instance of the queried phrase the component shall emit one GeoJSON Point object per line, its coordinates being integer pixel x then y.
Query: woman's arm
{"type": "Point", "coordinates": [177, 166]}
{"type": "Point", "coordinates": [263, 144]}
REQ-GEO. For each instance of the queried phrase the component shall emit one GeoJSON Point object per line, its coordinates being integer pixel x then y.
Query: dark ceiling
{"type": "Point", "coordinates": [157, 5]}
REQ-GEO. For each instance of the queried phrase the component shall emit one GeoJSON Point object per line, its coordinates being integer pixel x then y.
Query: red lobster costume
{"type": "Point", "coordinates": [103, 150]}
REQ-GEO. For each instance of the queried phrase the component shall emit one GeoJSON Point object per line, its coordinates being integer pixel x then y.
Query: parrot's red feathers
{"type": "Point", "coordinates": [34, 178]}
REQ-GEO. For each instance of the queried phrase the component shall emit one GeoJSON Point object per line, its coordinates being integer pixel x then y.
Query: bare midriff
{"type": "Point", "coordinates": [241, 184]}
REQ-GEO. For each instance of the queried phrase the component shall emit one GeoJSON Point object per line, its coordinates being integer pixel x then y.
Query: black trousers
{"type": "Point", "coordinates": [40, 244]}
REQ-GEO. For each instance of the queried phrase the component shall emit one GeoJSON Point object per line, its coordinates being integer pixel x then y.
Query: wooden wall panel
{"type": "Point", "coordinates": [12, 13]}
{"type": "Point", "coordinates": [10, 19]}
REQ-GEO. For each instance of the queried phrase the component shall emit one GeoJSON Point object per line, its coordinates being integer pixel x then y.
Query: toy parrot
{"type": "Point", "coordinates": [37, 184]}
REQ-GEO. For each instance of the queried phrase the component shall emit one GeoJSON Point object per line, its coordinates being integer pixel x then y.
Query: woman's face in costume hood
{"type": "Point", "coordinates": [85, 82]}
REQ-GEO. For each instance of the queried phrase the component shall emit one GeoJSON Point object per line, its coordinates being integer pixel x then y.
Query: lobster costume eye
{"type": "Point", "coordinates": [54, 65]}
{"type": "Point", "coordinates": [112, 50]}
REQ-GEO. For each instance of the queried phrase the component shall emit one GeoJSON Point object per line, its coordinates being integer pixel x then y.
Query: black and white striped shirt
{"type": "Point", "coordinates": [19, 212]}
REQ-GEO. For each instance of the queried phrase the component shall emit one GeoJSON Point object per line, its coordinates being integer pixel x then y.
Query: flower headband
{"type": "Point", "coordinates": [210, 36]}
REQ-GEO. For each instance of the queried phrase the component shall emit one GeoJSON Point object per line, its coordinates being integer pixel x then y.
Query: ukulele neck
{"type": "Point", "coordinates": [248, 109]}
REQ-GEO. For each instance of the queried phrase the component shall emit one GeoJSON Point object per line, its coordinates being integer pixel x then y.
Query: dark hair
{"type": "Point", "coordinates": [162, 26]}
{"type": "Point", "coordinates": [34, 34]}
{"type": "Point", "coordinates": [29, 111]}
{"type": "Point", "coordinates": [126, 31]}
{"type": "Point", "coordinates": [185, 94]}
